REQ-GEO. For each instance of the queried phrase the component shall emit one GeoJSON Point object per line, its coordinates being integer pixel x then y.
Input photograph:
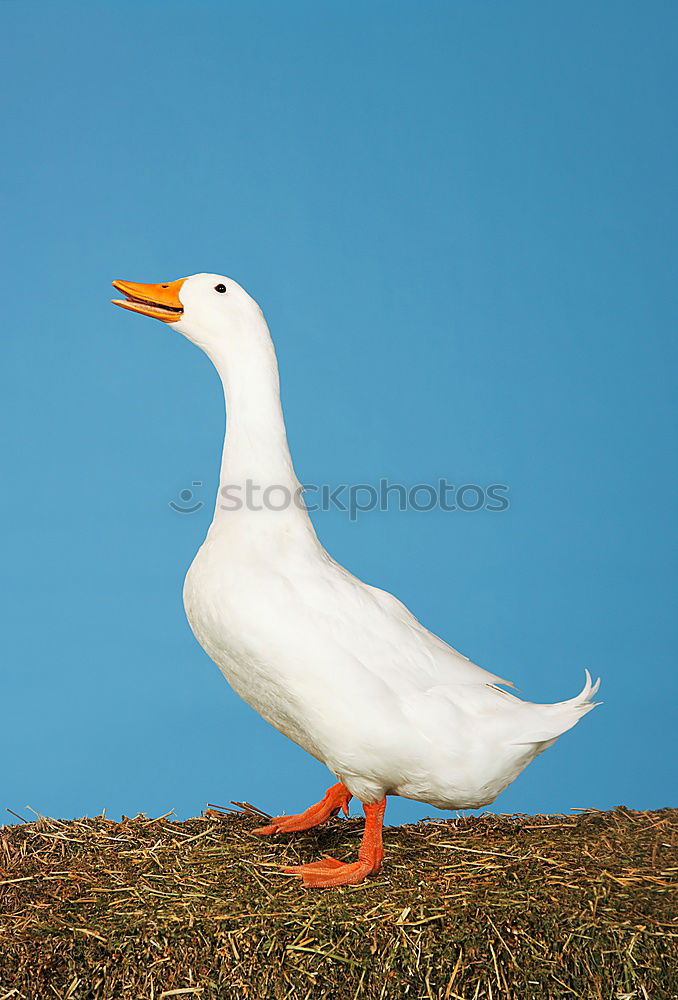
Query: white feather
{"type": "Point", "coordinates": [340, 667]}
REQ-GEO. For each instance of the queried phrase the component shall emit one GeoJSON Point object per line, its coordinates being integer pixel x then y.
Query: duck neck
{"type": "Point", "coordinates": [256, 466]}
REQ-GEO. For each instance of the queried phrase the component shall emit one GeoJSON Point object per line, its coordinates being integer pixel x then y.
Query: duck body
{"type": "Point", "coordinates": [349, 674]}
{"type": "Point", "coordinates": [340, 667]}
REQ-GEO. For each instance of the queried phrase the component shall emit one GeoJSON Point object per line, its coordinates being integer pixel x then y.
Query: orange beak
{"type": "Point", "coordinates": [159, 301]}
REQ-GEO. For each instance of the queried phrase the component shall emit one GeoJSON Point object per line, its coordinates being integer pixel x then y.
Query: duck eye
{"type": "Point", "coordinates": [220, 288]}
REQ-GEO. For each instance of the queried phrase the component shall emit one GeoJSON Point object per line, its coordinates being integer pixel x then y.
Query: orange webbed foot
{"type": "Point", "coordinates": [319, 874]}
{"type": "Point", "coordinates": [328, 871]}
{"type": "Point", "coordinates": [326, 863]}
{"type": "Point", "coordinates": [337, 797]}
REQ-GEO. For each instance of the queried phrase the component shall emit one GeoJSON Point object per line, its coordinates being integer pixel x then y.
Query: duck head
{"type": "Point", "coordinates": [208, 309]}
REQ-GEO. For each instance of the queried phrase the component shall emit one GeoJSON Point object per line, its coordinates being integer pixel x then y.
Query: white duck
{"type": "Point", "coordinates": [338, 666]}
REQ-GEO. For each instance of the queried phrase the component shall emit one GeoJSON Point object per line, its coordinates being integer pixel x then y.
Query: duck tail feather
{"type": "Point", "coordinates": [556, 719]}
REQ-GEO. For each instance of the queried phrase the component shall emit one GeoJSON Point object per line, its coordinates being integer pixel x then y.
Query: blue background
{"type": "Point", "coordinates": [460, 220]}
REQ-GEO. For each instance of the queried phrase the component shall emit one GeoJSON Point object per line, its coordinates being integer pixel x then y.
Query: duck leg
{"type": "Point", "coordinates": [337, 797]}
{"type": "Point", "coordinates": [329, 871]}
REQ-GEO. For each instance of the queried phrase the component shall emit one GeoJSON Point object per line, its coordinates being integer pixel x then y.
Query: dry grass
{"type": "Point", "coordinates": [509, 907]}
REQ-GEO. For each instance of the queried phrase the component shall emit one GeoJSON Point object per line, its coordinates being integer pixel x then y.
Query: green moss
{"type": "Point", "coordinates": [491, 907]}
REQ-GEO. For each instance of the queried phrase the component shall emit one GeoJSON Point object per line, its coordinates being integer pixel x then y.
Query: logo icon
{"type": "Point", "coordinates": [186, 497]}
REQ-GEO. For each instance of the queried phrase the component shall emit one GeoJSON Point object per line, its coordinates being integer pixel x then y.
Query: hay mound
{"type": "Point", "coordinates": [510, 907]}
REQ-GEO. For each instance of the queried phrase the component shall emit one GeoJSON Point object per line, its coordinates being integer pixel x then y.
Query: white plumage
{"type": "Point", "coordinates": [338, 666]}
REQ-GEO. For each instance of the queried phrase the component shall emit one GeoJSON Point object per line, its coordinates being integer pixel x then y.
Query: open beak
{"type": "Point", "coordinates": [159, 301]}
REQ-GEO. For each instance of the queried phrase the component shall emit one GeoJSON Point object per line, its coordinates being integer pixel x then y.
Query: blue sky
{"type": "Point", "coordinates": [460, 220]}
